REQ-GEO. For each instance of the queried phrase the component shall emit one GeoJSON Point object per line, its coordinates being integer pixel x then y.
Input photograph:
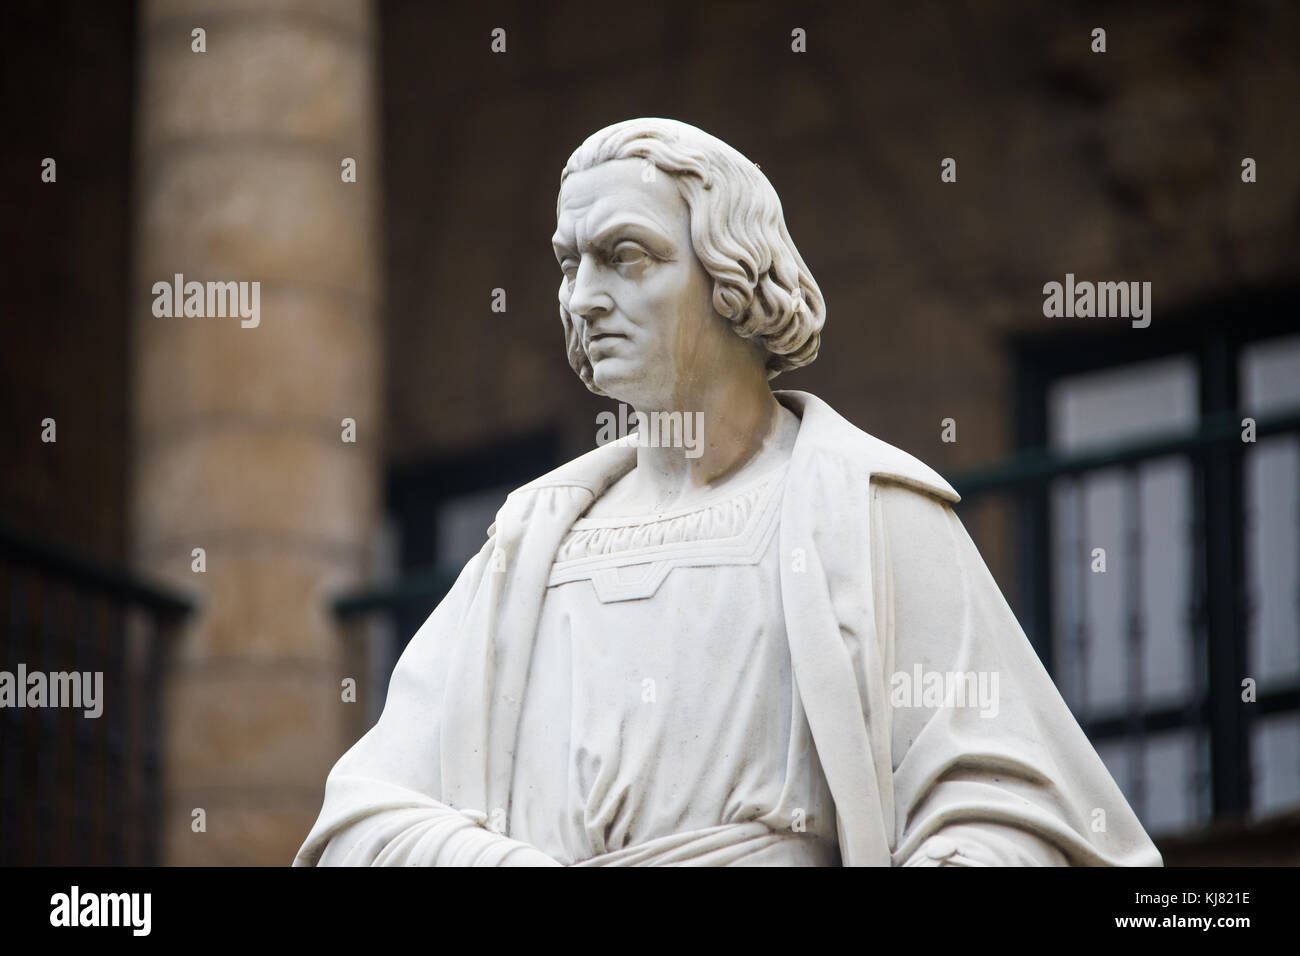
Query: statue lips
{"type": "Point", "coordinates": [596, 339]}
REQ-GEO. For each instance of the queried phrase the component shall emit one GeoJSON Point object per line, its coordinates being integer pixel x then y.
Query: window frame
{"type": "Point", "coordinates": [1214, 334]}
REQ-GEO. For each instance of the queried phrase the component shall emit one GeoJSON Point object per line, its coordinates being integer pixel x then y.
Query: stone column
{"type": "Point", "coordinates": [239, 447]}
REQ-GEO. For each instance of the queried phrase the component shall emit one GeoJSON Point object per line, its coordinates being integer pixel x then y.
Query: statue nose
{"type": "Point", "coordinates": [588, 298]}
{"type": "Point", "coordinates": [590, 311]}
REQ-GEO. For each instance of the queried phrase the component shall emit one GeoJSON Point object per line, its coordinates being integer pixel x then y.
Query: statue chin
{"type": "Point", "coordinates": [620, 387]}
{"type": "Point", "coordinates": [642, 385]}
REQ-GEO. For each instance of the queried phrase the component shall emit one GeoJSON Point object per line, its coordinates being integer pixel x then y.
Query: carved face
{"type": "Point", "coordinates": [633, 284]}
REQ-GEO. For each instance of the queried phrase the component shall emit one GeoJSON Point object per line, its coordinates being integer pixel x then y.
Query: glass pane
{"type": "Point", "coordinates": [1124, 404]}
{"type": "Point", "coordinates": [1272, 505]}
{"type": "Point", "coordinates": [1275, 746]}
{"type": "Point", "coordinates": [1270, 376]}
{"type": "Point", "coordinates": [1172, 800]}
{"type": "Point", "coordinates": [463, 522]}
{"type": "Point", "coordinates": [1167, 568]}
{"type": "Point", "coordinates": [1270, 381]}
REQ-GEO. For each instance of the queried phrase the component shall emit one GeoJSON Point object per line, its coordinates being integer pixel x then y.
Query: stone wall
{"type": "Point", "coordinates": [239, 442]}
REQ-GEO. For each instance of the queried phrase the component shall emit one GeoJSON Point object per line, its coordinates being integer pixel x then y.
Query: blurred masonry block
{"type": "Point", "coordinates": [237, 430]}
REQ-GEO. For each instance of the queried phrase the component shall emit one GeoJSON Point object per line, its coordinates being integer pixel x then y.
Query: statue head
{"type": "Point", "coordinates": [674, 243]}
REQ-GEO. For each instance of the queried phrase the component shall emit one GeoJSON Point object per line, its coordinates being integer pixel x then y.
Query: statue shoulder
{"type": "Point", "coordinates": [588, 475]}
{"type": "Point", "coordinates": [823, 430]}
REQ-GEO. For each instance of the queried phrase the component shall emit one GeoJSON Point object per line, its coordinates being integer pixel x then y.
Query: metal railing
{"type": "Point", "coordinates": [77, 789]}
{"type": "Point", "coordinates": [406, 602]}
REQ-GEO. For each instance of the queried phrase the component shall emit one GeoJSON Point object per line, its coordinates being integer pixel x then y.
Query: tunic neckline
{"type": "Point", "coordinates": [712, 500]}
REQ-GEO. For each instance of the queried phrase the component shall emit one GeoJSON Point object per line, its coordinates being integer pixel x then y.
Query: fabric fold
{"type": "Point", "coordinates": [878, 578]}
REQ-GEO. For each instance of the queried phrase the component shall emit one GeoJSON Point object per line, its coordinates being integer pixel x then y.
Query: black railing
{"type": "Point", "coordinates": [406, 602]}
{"type": "Point", "coordinates": [78, 789]}
{"type": "Point", "coordinates": [1216, 622]}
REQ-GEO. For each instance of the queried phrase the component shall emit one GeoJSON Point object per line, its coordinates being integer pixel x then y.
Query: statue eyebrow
{"type": "Point", "coordinates": [561, 246]}
{"type": "Point", "coordinates": [640, 229]}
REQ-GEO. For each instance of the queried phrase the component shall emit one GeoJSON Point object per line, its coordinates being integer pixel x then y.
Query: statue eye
{"type": "Point", "coordinates": [570, 268]}
{"type": "Point", "coordinates": [628, 253]}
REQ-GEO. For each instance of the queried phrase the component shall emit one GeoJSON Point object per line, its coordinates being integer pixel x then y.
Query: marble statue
{"type": "Point", "coordinates": [780, 648]}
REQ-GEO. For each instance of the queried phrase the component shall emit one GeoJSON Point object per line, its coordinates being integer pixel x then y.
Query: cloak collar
{"type": "Point", "coordinates": [821, 428]}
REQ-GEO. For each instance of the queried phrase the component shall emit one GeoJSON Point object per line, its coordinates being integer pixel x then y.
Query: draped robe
{"type": "Point", "coordinates": [878, 579]}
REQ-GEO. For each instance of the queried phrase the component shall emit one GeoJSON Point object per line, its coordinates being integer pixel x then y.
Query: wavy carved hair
{"type": "Point", "coordinates": [760, 282]}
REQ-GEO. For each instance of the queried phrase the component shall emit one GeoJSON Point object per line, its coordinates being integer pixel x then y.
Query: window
{"type": "Point", "coordinates": [1158, 554]}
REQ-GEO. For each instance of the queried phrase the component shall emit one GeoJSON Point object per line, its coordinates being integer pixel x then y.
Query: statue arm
{"type": "Point", "coordinates": [425, 833]}
{"type": "Point", "coordinates": [1005, 776]}
{"type": "Point", "coordinates": [382, 805]}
